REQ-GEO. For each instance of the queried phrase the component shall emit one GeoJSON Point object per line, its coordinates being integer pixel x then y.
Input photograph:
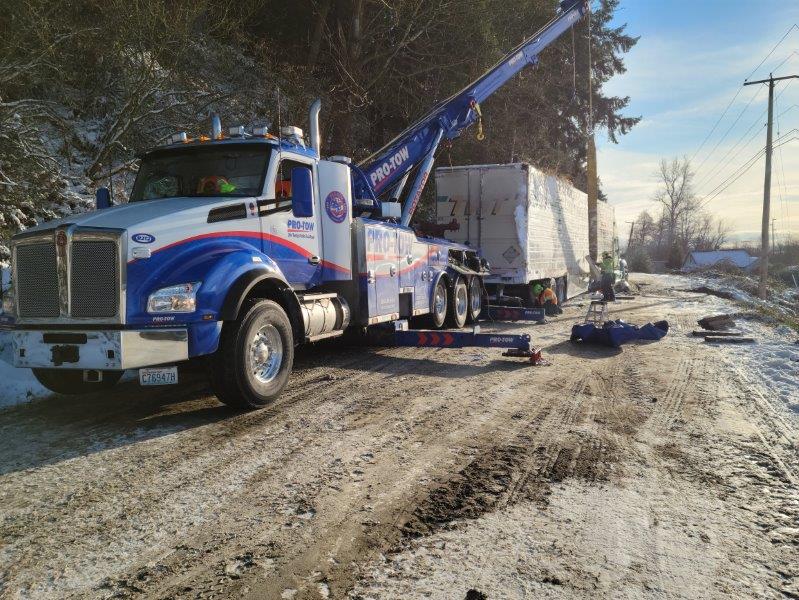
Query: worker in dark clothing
{"type": "Point", "coordinates": [608, 277]}
{"type": "Point", "coordinates": [547, 299]}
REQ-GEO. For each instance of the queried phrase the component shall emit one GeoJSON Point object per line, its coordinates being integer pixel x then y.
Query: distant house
{"type": "Point", "coordinates": [715, 258]}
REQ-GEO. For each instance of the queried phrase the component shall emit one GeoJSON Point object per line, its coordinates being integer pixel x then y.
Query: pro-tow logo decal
{"type": "Point", "coordinates": [143, 238]}
{"type": "Point", "coordinates": [336, 207]}
{"type": "Point", "coordinates": [300, 229]}
{"type": "Point", "coordinates": [389, 166]}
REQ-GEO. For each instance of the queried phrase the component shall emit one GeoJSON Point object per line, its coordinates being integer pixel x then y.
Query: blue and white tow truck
{"type": "Point", "coordinates": [237, 246]}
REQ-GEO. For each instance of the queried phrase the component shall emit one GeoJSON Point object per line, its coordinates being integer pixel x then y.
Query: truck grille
{"type": "Point", "coordinates": [37, 280]}
{"type": "Point", "coordinates": [94, 280]}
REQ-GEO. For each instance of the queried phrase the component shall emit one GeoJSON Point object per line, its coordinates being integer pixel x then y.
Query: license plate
{"type": "Point", "coordinates": [158, 376]}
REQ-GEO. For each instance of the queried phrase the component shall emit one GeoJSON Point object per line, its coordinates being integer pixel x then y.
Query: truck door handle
{"type": "Point", "coordinates": [314, 260]}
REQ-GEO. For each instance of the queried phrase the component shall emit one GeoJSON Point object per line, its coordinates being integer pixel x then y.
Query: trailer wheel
{"type": "Point", "coordinates": [458, 304]}
{"type": "Point", "coordinates": [70, 382]}
{"type": "Point", "coordinates": [438, 308]}
{"type": "Point", "coordinates": [475, 299]}
{"type": "Point", "coordinates": [255, 356]}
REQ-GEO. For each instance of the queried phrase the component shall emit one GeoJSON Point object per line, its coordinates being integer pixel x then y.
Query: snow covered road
{"type": "Point", "coordinates": [664, 469]}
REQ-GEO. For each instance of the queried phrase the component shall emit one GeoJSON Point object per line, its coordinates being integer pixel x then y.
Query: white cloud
{"type": "Point", "coordinates": [629, 179]}
{"type": "Point", "coordinates": [681, 79]}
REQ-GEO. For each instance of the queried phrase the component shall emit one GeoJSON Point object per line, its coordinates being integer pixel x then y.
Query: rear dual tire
{"type": "Point", "coordinates": [476, 293]}
{"type": "Point", "coordinates": [458, 304]}
{"type": "Point", "coordinates": [255, 356]}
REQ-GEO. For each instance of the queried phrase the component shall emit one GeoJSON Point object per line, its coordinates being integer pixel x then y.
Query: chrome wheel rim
{"type": "Point", "coordinates": [265, 354]}
{"type": "Point", "coordinates": [440, 300]}
{"type": "Point", "coordinates": [461, 300]}
{"type": "Point", "coordinates": [477, 299]}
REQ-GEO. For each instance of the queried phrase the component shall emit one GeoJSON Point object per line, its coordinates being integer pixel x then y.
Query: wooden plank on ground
{"type": "Point", "coordinates": [729, 340]}
{"type": "Point", "coordinates": [706, 334]}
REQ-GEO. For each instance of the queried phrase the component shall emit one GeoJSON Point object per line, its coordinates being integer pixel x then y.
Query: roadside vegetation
{"type": "Point", "coordinates": [85, 85]}
{"type": "Point", "coordinates": [677, 224]}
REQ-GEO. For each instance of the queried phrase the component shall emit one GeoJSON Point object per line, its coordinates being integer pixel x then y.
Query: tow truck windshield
{"type": "Point", "coordinates": [200, 172]}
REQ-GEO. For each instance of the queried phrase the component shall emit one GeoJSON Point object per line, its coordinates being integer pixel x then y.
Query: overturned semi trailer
{"type": "Point", "coordinates": [530, 226]}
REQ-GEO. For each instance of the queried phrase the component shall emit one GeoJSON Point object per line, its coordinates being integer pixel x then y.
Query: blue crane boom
{"type": "Point", "coordinates": [447, 120]}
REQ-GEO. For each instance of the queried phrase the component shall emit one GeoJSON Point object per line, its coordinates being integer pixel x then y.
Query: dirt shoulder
{"type": "Point", "coordinates": [656, 470]}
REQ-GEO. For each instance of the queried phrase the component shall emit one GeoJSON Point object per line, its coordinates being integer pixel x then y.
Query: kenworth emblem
{"type": "Point", "coordinates": [142, 238]}
{"type": "Point", "coordinates": [336, 207]}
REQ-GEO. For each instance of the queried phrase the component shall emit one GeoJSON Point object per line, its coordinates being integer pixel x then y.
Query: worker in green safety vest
{"type": "Point", "coordinates": [608, 277]}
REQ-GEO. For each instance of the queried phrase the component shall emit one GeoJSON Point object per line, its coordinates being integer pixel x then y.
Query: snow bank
{"type": "Point", "coordinates": [18, 385]}
{"type": "Point", "coordinates": [772, 364]}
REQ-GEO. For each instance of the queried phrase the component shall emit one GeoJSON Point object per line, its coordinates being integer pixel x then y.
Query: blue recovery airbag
{"type": "Point", "coordinates": [616, 333]}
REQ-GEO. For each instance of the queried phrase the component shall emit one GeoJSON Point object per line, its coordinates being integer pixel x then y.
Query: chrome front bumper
{"type": "Point", "coordinates": [99, 350]}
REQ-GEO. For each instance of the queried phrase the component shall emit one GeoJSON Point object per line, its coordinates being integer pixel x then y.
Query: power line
{"type": "Point", "coordinates": [737, 93]}
{"type": "Point", "coordinates": [787, 58]}
{"type": "Point", "coordinates": [782, 191]}
{"type": "Point", "coordinates": [720, 164]}
{"type": "Point", "coordinates": [789, 109]}
{"type": "Point", "coordinates": [782, 39]}
{"type": "Point", "coordinates": [713, 129]}
{"type": "Point", "coordinates": [724, 137]}
{"type": "Point", "coordinates": [709, 176]}
{"type": "Point", "coordinates": [739, 172]}
{"type": "Point", "coordinates": [735, 176]}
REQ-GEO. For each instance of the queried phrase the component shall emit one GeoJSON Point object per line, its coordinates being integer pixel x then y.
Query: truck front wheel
{"type": "Point", "coordinates": [71, 382]}
{"type": "Point", "coordinates": [438, 310]}
{"type": "Point", "coordinates": [255, 356]}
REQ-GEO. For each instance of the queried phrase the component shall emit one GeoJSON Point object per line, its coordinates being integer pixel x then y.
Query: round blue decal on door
{"type": "Point", "coordinates": [336, 207]}
{"type": "Point", "coordinates": [143, 238]}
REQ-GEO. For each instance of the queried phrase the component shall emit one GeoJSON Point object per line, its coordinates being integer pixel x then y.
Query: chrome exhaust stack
{"type": "Point", "coordinates": [316, 139]}
{"type": "Point", "coordinates": [216, 127]}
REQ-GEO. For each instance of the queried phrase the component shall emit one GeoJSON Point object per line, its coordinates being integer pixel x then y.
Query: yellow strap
{"type": "Point", "coordinates": [480, 135]}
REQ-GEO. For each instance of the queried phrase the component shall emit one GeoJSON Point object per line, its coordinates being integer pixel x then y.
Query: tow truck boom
{"type": "Point", "coordinates": [417, 145]}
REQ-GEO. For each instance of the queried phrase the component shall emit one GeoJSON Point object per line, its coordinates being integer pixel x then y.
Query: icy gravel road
{"type": "Point", "coordinates": [662, 470]}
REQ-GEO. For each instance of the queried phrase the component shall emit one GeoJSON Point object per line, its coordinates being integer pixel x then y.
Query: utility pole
{"type": "Point", "coordinates": [764, 250]}
{"type": "Point", "coordinates": [591, 168]}
{"type": "Point", "coordinates": [630, 239]}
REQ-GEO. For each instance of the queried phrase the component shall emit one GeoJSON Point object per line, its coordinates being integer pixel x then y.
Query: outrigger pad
{"type": "Point", "coordinates": [534, 355]}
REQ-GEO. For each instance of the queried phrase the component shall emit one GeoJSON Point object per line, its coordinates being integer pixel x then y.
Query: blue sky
{"type": "Point", "coordinates": [688, 65]}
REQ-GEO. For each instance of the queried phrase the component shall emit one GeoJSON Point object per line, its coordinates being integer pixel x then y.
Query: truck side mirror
{"type": "Point", "coordinates": [102, 198]}
{"type": "Point", "coordinates": [301, 192]}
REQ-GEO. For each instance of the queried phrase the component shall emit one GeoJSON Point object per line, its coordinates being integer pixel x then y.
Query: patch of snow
{"type": "Point", "coordinates": [19, 385]}
{"type": "Point", "coordinates": [773, 363]}
{"type": "Point", "coordinates": [738, 258]}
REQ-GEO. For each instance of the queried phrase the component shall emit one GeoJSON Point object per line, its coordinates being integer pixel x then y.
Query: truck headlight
{"type": "Point", "coordinates": [174, 299]}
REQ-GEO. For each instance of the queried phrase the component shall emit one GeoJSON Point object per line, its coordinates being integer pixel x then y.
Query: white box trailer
{"type": "Point", "coordinates": [530, 226]}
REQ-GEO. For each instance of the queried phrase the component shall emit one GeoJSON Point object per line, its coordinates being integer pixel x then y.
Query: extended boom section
{"type": "Point", "coordinates": [416, 146]}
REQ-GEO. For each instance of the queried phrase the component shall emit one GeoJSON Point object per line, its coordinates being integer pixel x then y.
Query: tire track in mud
{"type": "Point", "coordinates": [545, 450]}
{"type": "Point", "coordinates": [670, 406]}
{"type": "Point", "coordinates": [217, 444]}
{"type": "Point", "coordinates": [363, 413]}
{"type": "Point", "coordinates": [295, 552]}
